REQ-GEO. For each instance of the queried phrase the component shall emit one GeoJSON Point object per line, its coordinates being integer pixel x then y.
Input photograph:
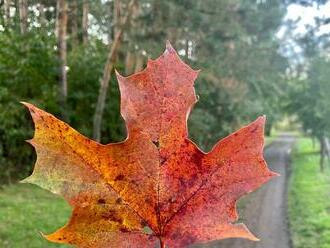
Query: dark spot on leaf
{"type": "Point", "coordinates": [156, 143]}
{"type": "Point", "coordinates": [136, 183]}
{"type": "Point", "coordinates": [254, 129]}
{"type": "Point", "coordinates": [196, 158]}
{"type": "Point", "coordinates": [124, 229]}
{"type": "Point", "coordinates": [162, 160]}
{"type": "Point", "coordinates": [112, 216]}
{"type": "Point", "coordinates": [120, 177]}
{"type": "Point", "coordinates": [119, 201]}
{"type": "Point", "coordinates": [148, 200]}
{"type": "Point", "coordinates": [101, 201]}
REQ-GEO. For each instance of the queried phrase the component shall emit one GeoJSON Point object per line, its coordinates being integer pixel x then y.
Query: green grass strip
{"type": "Point", "coordinates": [309, 198]}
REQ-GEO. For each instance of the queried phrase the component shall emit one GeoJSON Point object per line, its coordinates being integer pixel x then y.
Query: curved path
{"type": "Point", "coordinates": [265, 210]}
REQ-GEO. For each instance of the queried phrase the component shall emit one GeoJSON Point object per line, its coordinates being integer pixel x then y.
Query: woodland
{"type": "Point", "coordinates": [61, 56]}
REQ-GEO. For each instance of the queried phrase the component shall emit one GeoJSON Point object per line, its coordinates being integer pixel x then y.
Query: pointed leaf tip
{"type": "Point", "coordinates": [50, 237]}
{"type": "Point", "coordinates": [169, 47]}
{"type": "Point", "coordinates": [274, 174]}
{"type": "Point", "coordinates": [26, 180]}
{"type": "Point", "coordinates": [26, 104]}
{"type": "Point", "coordinates": [252, 237]}
{"type": "Point", "coordinates": [118, 75]}
{"type": "Point", "coordinates": [117, 72]}
{"type": "Point", "coordinates": [33, 109]}
{"type": "Point", "coordinates": [262, 119]}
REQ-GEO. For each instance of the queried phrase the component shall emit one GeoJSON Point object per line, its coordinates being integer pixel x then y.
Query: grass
{"type": "Point", "coordinates": [309, 198]}
{"type": "Point", "coordinates": [25, 211]}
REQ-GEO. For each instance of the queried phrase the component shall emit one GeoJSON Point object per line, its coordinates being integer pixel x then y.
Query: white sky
{"type": "Point", "coordinates": [306, 16]}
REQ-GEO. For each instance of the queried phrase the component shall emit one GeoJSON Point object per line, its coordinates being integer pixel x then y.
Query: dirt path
{"type": "Point", "coordinates": [265, 210]}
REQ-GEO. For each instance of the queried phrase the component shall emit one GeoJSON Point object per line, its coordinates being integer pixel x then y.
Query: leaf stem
{"type": "Point", "coordinates": [162, 244]}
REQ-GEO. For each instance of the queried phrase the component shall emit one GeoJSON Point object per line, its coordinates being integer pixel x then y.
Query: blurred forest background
{"type": "Point", "coordinates": [61, 55]}
{"type": "Point", "coordinates": [258, 57]}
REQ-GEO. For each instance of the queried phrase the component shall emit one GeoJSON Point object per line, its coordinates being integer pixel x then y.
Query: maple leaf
{"type": "Point", "coordinates": [156, 187]}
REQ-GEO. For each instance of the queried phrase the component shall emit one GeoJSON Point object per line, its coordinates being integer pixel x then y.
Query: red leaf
{"type": "Point", "coordinates": [157, 184]}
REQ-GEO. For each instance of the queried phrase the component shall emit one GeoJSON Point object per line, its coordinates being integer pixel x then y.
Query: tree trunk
{"type": "Point", "coordinates": [327, 147]}
{"type": "Point", "coordinates": [172, 36]}
{"type": "Point", "coordinates": [23, 12]}
{"type": "Point", "coordinates": [130, 54]}
{"type": "Point", "coordinates": [116, 16]}
{"type": "Point", "coordinates": [129, 63]}
{"type": "Point", "coordinates": [187, 48]}
{"type": "Point", "coordinates": [322, 150]}
{"type": "Point", "coordinates": [74, 23]}
{"type": "Point", "coordinates": [7, 11]}
{"type": "Point", "coordinates": [104, 82]}
{"type": "Point", "coordinates": [85, 21]}
{"type": "Point", "coordinates": [62, 53]}
{"type": "Point", "coordinates": [138, 63]}
{"type": "Point", "coordinates": [268, 129]}
{"type": "Point", "coordinates": [57, 19]}
{"type": "Point", "coordinates": [110, 15]}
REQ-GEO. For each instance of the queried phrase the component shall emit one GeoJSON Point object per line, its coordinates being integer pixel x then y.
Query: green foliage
{"type": "Point", "coordinates": [85, 69]}
{"type": "Point", "coordinates": [231, 41]}
{"type": "Point", "coordinates": [310, 98]}
{"type": "Point", "coordinates": [32, 77]}
{"type": "Point", "coordinates": [28, 72]}
{"type": "Point", "coordinates": [309, 199]}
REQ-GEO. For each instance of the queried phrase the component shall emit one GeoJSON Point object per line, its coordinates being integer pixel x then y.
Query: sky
{"type": "Point", "coordinates": [305, 16]}
{"type": "Point", "coordinates": [302, 16]}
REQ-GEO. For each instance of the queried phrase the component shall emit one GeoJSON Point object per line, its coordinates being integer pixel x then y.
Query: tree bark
{"type": "Point", "coordinates": [23, 12]}
{"type": "Point", "coordinates": [104, 82]}
{"type": "Point", "coordinates": [116, 16]}
{"type": "Point", "coordinates": [327, 147]}
{"type": "Point", "coordinates": [62, 53]}
{"type": "Point", "coordinates": [322, 153]}
{"type": "Point", "coordinates": [74, 23]}
{"type": "Point", "coordinates": [138, 62]}
{"type": "Point", "coordinates": [129, 62]}
{"type": "Point", "coordinates": [6, 6]}
{"type": "Point", "coordinates": [187, 48]}
{"type": "Point", "coordinates": [129, 39]}
{"type": "Point", "coordinates": [172, 35]}
{"type": "Point", "coordinates": [85, 21]}
{"type": "Point", "coordinates": [57, 19]}
{"type": "Point", "coordinates": [110, 15]}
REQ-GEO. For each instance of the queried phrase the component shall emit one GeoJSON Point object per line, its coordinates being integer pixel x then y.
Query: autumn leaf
{"type": "Point", "coordinates": [156, 187]}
